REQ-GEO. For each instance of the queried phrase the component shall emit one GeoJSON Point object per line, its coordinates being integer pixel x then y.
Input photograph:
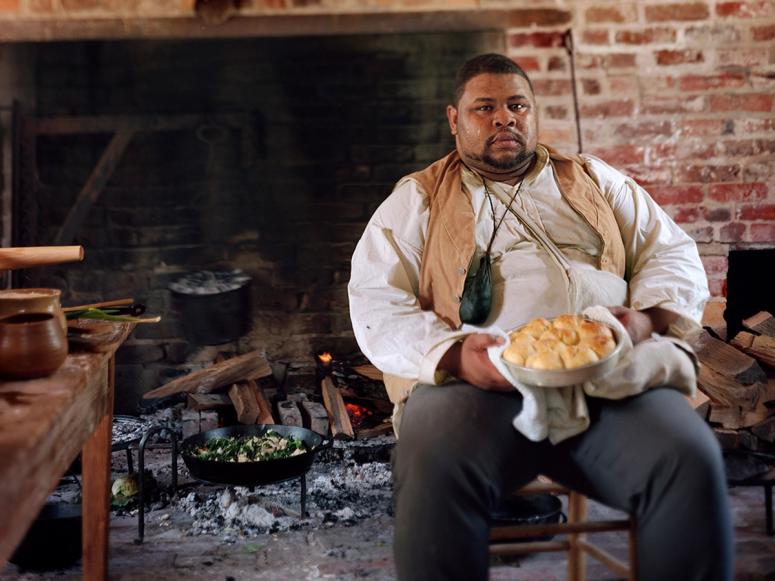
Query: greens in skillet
{"type": "Point", "coordinates": [269, 446]}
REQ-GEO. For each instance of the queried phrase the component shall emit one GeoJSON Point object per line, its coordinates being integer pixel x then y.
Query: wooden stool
{"type": "Point", "coordinates": [575, 530]}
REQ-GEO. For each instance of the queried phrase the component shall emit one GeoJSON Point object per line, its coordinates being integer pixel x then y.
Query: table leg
{"type": "Point", "coordinates": [96, 489]}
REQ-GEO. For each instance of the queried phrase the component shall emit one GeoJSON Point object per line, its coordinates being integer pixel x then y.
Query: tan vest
{"type": "Point", "coordinates": [450, 244]}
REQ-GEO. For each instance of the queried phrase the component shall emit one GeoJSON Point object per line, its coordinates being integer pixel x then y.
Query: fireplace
{"type": "Point", "coordinates": [266, 155]}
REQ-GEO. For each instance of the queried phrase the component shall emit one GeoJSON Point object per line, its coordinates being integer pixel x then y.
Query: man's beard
{"type": "Point", "coordinates": [518, 160]}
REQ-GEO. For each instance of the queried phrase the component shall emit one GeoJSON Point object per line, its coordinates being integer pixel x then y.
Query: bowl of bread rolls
{"type": "Point", "coordinates": [565, 350]}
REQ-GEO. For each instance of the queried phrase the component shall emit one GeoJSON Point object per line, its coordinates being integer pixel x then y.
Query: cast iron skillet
{"type": "Point", "coordinates": [253, 473]}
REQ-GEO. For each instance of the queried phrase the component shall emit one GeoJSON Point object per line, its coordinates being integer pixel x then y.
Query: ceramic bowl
{"type": "Point", "coordinates": [31, 345]}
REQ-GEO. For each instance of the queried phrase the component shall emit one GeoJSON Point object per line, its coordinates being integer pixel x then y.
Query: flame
{"type": "Point", "coordinates": [357, 412]}
{"type": "Point", "coordinates": [325, 358]}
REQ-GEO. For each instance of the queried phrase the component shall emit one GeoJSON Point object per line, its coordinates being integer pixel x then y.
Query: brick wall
{"type": "Point", "coordinates": [680, 95]}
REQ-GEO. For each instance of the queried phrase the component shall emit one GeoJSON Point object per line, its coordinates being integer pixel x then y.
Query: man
{"type": "Point", "coordinates": [458, 452]}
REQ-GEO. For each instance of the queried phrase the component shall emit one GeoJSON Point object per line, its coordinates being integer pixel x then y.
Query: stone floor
{"type": "Point", "coordinates": [347, 550]}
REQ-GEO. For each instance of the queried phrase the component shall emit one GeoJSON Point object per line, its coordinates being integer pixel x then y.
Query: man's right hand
{"type": "Point", "coordinates": [468, 360]}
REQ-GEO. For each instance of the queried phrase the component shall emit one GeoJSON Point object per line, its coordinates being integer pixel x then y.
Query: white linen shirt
{"type": "Point", "coordinates": [663, 267]}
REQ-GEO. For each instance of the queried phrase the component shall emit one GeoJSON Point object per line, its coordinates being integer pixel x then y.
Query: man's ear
{"type": "Point", "coordinates": [452, 118]}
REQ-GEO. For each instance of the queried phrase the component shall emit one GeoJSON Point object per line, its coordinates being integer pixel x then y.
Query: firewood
{"type": "Point", "coordinates": [368, 371]}
{"type": "Point", "coordinates": [726, 360]}
{"type": "Point", "coordinates": [251, 365]}
{"type": "Point", "coordinates": [207, 401]}
{"type": "Point", "coordinates": [244, 399]}
{"type": "Point", "coordinates": [289, 413]}
{"type": "Point", "coordinates": [765, 429]}
{"type": "Point", "coordinates": [729, 439]}
{"type": "Point", "coordinates": [760, 347]}
{"type": "Point", "coordinates": [264, 407]}
{"type": "Point", "coordinates": [381, 429]}
{"type": "Point", "coordinates": [735, 417]}
{"type": "Point", "coordinates": [338, 417]}
{"type": "Point", "coordinates": [762, 323]}
{"type": "Point", "coordinates": [726, 391]}
{"type": "Point", "coordinates": [700, 403]}
{"type": "Point", "coordinates": [315, 417]}
{"type": "Point", "coordinates": [750, 441]}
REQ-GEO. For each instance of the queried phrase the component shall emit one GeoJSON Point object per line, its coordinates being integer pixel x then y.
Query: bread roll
{"type": "Point", "coordinates": [566, 342]}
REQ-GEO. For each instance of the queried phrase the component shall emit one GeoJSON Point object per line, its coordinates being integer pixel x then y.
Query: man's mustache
{"type": "Point", "coordinates": [510, 133]}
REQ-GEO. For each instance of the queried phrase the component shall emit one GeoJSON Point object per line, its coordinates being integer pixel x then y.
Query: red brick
{"type": "Point", "coordinates": [553, 87]}
{"type": "Point", "coordinates": [737, 147]}
{"type": "Point", "coordinates": [718, 34]}
{"type": "Point", "coordinates": [528, 63]}
{"type": "Point", "coordinates": [39, 6]}
{"type": "Point", "coordinates": [763, 32]}
{"type": "Point", "coordinates": [757, 125]}
{"type": "Point", "coordinates": [608, 61]}
{"type": "Point", "coordinates": [536, 39]}
{"type": "Point", "coordinates": [683, 11]}
{"type": "Point", "coordinates": [761, 233]}
{"type": "Point", "coordinates": [750, 102]}
{"type": "Point", "coordinates": [741, 57]}
{"type": "Point", "coordinates": [620, 155]}
{"type": "Point", "coordinates": [707, 173]}
{"type": "Point", "coordinates": [732, 232]}
{"type": "Point", "coordinates": [76, 5]}
{"type": "Point", "coordinates": [704, 128]}
{"type": "Point", "coordinates": [754, 9]}
{"type": "Point", "coordinates": [621, 13]}
{"type": "Point", "coordinates": [650, 176]}
{"type": "Point", "coordinates": [685, 214]}
{"type": "Point", "coordinates": [9, 5]}
{"type": "Point", "coordinates": [765, 146]}
{"type": "Point", "coordinates": [678, 57]}
{"type": "Point", "coordinates": [684, 149]}
{"type": "Point", "coordinates": [738, 192]}
{"type": "Point", "coordinates": [646, 36]}
{"type": "Point", "coordinates": [623, 84]}
{"type": "Point", "coordinates": [706, 82]}
{"type": "Point", "coordinates": [658, 105]}
{"type": "Point", "coordinates": [556, 112]}
{"type": "Point", "coordinates": [597, 37]}
{"type": "Point", "coordinates": [717, 214]}
{"type": "Point", "coordinates": [701, 234]}
{"type": "Point", "coordinates": [644, 129]}
{"type": "Point", "coordinates": [715, 264]}
{"type": "Point", "coordinates": [557, 63]}
{"type": "Point", "coordinates": [665, 195]}
{"type": "Point", "coordinates": [717, 287]}
{"type": "Point", "coordinates": [756, 212]}
{"type": "Point", "coordinates": [624, 108]}
{"type": "Point", "coordinates": [590, 86]}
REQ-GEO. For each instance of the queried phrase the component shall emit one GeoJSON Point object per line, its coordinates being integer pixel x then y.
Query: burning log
{"type": "Point", "coordinates": [251, 365]}
{"type": "Point", "coordinates": [207, 401]}
{"type": "Point", "coordinates": [337, 412]}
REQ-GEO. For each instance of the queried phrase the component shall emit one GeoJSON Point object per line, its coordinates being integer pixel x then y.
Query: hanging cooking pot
{"type": "Point", "coordinates": [252, 473]}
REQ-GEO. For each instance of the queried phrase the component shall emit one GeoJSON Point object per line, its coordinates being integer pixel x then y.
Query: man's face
{"type": "Point", "coordinates": [495, 124]}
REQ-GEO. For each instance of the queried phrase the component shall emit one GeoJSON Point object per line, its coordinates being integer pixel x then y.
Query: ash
{"type": "Point", "coordinates": [210, 282]}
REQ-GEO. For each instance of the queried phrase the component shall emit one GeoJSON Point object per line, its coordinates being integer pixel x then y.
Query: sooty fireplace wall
{"type": "Point", "coordinates": [295, 143]}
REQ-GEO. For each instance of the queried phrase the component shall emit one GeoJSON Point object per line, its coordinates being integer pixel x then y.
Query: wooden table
{"type": "Point", "coordinates": [44, 424]}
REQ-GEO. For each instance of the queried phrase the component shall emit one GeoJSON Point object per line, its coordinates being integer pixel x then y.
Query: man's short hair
{"type": "Point", "coordinates": [492, 63]}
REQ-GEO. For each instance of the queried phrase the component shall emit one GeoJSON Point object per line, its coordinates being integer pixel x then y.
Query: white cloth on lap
{"type": "Point", "coordinates": [561, 413]}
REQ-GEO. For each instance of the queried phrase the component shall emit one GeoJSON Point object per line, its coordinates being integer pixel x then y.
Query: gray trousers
{"type": "Point", "coordinates": [650, 455]}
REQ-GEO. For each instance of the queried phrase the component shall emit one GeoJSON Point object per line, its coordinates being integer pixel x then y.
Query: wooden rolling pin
{"type": "Point", "coordinates": [12, 258]}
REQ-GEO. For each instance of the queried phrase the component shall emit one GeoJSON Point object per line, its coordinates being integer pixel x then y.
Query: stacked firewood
{"type": "Point", "coordinates": [230, 390]}
{"type": "Point", "coordinates": [738, 378]}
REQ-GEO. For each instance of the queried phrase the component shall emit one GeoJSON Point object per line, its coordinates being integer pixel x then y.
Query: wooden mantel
{"type": "Point", "coordinates": [27, 29]}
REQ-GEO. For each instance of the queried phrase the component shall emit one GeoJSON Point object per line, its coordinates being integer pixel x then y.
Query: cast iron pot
{"type": "Point", "coordinates": [54, 539]}
{"type": "Point", "coordinates": [253, 473]}
{"type": "Point", "coordinates": [530, 509]}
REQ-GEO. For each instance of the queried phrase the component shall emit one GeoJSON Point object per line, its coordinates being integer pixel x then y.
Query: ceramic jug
{"type": "Point", "coordinates": [31, 345]}
{"type": "Point", "coordinates": [32, 300]}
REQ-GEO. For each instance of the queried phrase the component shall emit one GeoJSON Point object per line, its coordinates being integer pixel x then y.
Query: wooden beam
{"type": "Point", "coordinates": [94, 185]}
{"type": "Point", "coordinates": [277, 25]}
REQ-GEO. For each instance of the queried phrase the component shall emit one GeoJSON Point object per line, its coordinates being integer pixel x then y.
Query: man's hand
{"type": "Point", "coordinates": [640, 324]}
{"type": "Point", "coordinates": [468, 360]}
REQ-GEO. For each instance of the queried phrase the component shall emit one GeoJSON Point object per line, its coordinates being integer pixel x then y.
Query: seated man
{"type": "Point", "coordinates": [415, 298]}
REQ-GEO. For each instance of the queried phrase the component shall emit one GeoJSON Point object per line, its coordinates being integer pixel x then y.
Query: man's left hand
{"type": "Point", "coordinates": [641, 324]}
